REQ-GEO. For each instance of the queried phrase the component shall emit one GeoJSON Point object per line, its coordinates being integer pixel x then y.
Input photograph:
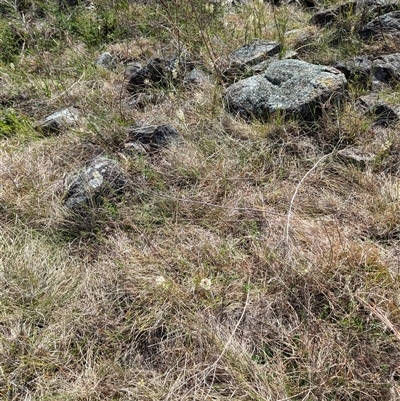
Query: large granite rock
{"type": "Point", "coordinates": [101, 179]}
{"type": "Point", "coordinates": [293, 87]}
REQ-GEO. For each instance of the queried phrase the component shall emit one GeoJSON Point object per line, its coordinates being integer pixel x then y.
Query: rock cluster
{"type": "Point", "coordinates": [261, 80]}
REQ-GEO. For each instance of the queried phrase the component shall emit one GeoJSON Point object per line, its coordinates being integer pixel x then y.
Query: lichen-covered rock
{"type": "Point", "coordinates": [55, 122]}
{"type": "Point", "coordinates": [293, 87]}
{"type": "Point", "coordinates": [102, 178]}
{"type": "Point", "coordinates": [386, 26]}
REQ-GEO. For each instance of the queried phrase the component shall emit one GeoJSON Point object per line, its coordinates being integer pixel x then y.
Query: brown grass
{"type": "Point", "coordinates": [247, 261]}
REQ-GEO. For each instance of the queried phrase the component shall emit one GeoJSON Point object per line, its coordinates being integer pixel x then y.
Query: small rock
{"type": "Point", "coordinates": [327, 16]}
{"type": "Point", "coordinates": [386, 69]}
{"type": "Point", "coordinates": [153, 136]}
{"type": "Point", "coordinates": [158, 73]}
{"type": "Point", "coordinates": [357, 69]}
{"type": "Point", "coordinates": [260, 68]}
{"type": "Point", "coordinates": [370, 71]}
{"type": "Point", "coordinates": [135, 147]}
{"type": "Point", "coordinates": [101, 179]}
{"type": "Point", "coordinates": [196, 78]}
{"type": "Point", "coordinates": [294, 87]}
{"type": "Point", "coordinates": [253, 53]}
{"type": "Point", "coordinates": [61, 119]}
{"type": "Point", "coordinates": [384, 114]}
{"type": "Point", "coordinates": [106, 61]}
{"type": "Point", "coordinates": [356, 156]}
{"type": "Point", "coordinates": [248, 56]}
{"type": "Point", "coordinates": [132, 69]}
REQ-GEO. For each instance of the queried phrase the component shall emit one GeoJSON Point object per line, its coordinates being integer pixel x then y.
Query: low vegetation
{"type": "Point", "coordinates": [247, 260]}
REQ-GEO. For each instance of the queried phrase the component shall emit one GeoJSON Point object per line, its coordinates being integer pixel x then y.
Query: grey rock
{"type": "Point", "coordinates": [384, 114]}
{"type": "Point", "coordinates": [153, 136]}
{"type": "Point", "coordinates": [357, 69]}
{"type": "Point", "coordinates": [369, 9]}
{"type": "Point", "coordinates": [370, 71]}
{"type": "Point", "coordinates": [261, 67]}
{"type": "Point", "coordinates": [356, 156]}
{"type": "Point", "coordinates": [132, 69]}
{"type": "Point", "coordinates": [293, 87]}
{"type": "Point", "coordinates": [196, 78]}
{"type": "Point", "coordinates": [248, 56]}
{"type": "Point", "coordinates": [135, 147]}
{"type": "Point", "coordinates": [159, 73]}
{"type": "Point", "coordinates": [55, 122]}
{"type": "Point", "coordinates": [106, 61]}
{"type": "Point", "coordinates": [387, 68]}
{"type": "Point", "coordinates": [254, 53]}
{"type": "Point", "coordinates": [381, 27]}
{"type": "Point", "coordinates": [102, 178]}
{"type": "Point", "coordinates": [330, 15]}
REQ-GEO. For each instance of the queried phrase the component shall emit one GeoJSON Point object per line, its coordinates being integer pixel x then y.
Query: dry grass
{"type": "Point", "coordinates": [247, 261]}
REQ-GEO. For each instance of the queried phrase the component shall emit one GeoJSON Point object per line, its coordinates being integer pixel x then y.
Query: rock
{"type": "Point", "coordinates": [384, 114]}
{"type": "Point", "coordinates": [253, 53]}
{"type": "Point", "coordinates": [387, 68]}
{"type": "Point", "coordinates": [106, 61]}
{"type": "Point", "coordinates": [135, 147]}
{"type": "Point", "coordinates": [370, 71]}
{"type": "Point", "coordinates": [261, 67]}
{"type": "Point", "coordinates": [158, 73]}
{"type": "Point", "coordinates": [356, 156]}
{"type": "Point", "coordinates": [381, 27]}
{"type": "Point", "coordinates": [357, 69]}
{"type": "Point", "coordinates": [327, 16]}
{"type": "Point", "coordinates": [102, 178]}
{"type": "Point", "coordinates": [132, 69]}
{"type": "Point", "coordinates": [294, 87]}
{"type": "Point", "coordinates": [370, 9]}
{"type": "Point", "coordinates": [55, 122]}
{"type": "Point", "coordinates": [248, 56]}
{"type": "Point", "coordinates": [196, 78]}
{"type": "Point", "coordinates": [153, 137]}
